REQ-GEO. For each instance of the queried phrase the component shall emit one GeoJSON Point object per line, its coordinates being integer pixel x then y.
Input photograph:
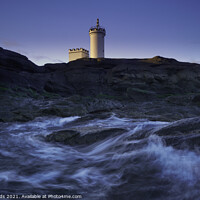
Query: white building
{"type": "Point", "coordinates": [97, 35]}
{"type": "Point", "coordinates": [77, 53]}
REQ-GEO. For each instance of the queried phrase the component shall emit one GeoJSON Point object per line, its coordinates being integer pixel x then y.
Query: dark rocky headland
{"type": "Point", "coordinates": [107, 129]}
{"type": "Point", "coordinates": [157, 88]}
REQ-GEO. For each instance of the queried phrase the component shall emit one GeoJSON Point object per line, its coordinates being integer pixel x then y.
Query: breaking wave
{"type": "Point", "coordinates": [134, 165]}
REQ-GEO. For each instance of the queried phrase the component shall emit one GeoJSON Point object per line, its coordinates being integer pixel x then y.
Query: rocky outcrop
{"type": "Point", "coordinates": [184, 126]}
{"type": "Point", "coordinates": [137, 79]}
{"type": "Point", "coordinates": [182, 134]}
{"type": "Point", "coordinates": [157, 88]}
{"type": "Point", "coordinates": [13, 61]}
{"type": "Point", "coordinates": [71, 137]}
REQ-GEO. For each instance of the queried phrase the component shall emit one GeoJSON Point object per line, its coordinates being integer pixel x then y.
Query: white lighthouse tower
{"type": "Point", "coordinates": [97, 34]}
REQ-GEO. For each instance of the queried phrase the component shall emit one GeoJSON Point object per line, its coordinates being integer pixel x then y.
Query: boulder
{"type": "Point", "coordinates": [65, 136]}
{"type": "Point", "coordinates": [181, 127]}
{"type": "Point", "coordinates": [71, 137]}
{"type": "Point", "coordinates": [182, 134]}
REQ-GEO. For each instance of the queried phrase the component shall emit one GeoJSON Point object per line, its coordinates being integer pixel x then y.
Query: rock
{"type": "Point", "coordinates": [196, 99]}
{"type": "Point", "coordinates": [182, 134]}
{"type": "Point", "coordinates": [16, 62]}
{"type": "Point", "coordinates": [181, 127]}
{"type": "Point", "coordinates": [123, 78]}
{"type": "Point", "coordinates": [63, 136]}
{"type": "Point", "coordinates": [183, 142]}
{"type": "Point", "coordinates": [139, 94]}
{"type": "Point", "coordinates": [161, 60]}
{"type": "Point", "coordinates": [99, 85]}
{"type": "Point", "coordinates": [71, 137]}
{"type": "Point", "coordinates": [101, 135]}
{"type": "Point", "coordinates": [180, 99]}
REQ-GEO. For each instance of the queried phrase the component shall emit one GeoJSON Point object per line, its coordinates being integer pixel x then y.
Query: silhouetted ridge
{"type": "Point", "coordinates": [116, 77]}
{"type": "Point", "coordinates": [15, 61]}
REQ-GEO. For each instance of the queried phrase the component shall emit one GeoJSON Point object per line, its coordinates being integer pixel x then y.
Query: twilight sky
{"type": "Point", "coordinates": [44, 30]}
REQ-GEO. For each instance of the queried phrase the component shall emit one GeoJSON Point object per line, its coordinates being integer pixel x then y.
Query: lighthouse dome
{"type": "Point", "coordinates": [97, 28]}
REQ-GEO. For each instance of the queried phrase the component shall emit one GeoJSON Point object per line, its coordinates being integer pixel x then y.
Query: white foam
{"type": "Point", "coordinates": [42, 123]}
{"type": "Point", "coordinates": [178, 164]}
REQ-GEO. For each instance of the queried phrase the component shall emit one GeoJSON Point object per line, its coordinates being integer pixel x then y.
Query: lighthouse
{"type": "Point", "coordinates": [97, 34]}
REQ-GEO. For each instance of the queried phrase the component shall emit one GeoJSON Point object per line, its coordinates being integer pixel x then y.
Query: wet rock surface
{"type": "Point", "coordinates": [158, 89]}
{"type": "Point", "coordinates": [71, 137]}
{"type": "Point", "coordinates": [184, 126]}
{"type": "Point", "coordinates": [182, 134]}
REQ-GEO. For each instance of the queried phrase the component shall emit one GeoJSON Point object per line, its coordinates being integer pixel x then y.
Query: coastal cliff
{"type": "Point", "coordinates": [155, 88]}
{"type": "Point", "coordinates": [100, 128]}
